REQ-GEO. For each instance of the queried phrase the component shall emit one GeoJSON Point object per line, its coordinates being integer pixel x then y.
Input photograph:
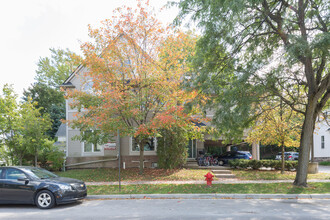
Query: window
{"type": "Point", "coordinates": [149, 146]}
{"type": "Point", "coordinates": [322, 142]}
{"type": "Point", "coordinates": [13, 174]}
{"type": "Point", "coordinates": [1, 171]}
{"type": "Point", "coordinates": [88, 87]}
{"type": "Point", "coordinates": [91, 146]}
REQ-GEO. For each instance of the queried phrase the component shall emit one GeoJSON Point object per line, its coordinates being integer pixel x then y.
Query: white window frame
{"type": "Point", "coordinates": [92, 153]}
{"type": "Point", "coordinates": [322, 142]}
{"type": "Point", "coordinates": [154, 152]}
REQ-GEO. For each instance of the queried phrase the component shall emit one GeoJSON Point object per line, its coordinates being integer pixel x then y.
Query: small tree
{"type": "Point", "coordinates": [136, 80]}
{"type": "Point", "coordinates": [277, 125]}
{"type": "Point", "coordinates": [34, 128]}
{"type": "Point", "coordinates": [10, 127]}
{"type": "Point", "coordinates": [173, 140]}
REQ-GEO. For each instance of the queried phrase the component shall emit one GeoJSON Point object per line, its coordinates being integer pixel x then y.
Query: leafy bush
{"type": "Point", "coordinates": [171, 149]}
{"type": "Point", "coordinates": [289, 165]}
{"type": "Point", "coordinates": [256, 164]}
{"type": "Point", "coordinates": [234, 163]}
{"type": "Point", "coordinates": [52, 159]}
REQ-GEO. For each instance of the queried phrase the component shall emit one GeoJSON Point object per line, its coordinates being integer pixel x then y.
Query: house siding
{"type": "Point", "coordinates": [321, 154]}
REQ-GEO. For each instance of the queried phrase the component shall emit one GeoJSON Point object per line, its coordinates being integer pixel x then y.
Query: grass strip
{"type": "Point", "coordinates": [274, 175]}
{"type": "Point", "coordinates": [260, 188]}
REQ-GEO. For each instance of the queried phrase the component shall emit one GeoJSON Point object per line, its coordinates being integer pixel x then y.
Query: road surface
{"type": "Point", "coordinates": [186, 209]}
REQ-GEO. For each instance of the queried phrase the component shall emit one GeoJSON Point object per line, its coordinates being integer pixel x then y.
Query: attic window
{"type": "Point", "coordinates": [88, 87]}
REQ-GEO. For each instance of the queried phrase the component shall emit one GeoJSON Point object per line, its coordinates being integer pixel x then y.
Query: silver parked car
{"type": "Point", "coordinates": [287, 156]}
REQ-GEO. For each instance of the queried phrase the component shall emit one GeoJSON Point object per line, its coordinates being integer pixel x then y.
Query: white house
{"type": "Point", "coordinates": [322, 140]}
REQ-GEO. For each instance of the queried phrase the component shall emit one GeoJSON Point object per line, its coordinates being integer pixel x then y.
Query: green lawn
{"type": "Point", "coordinates": [132, 174]}
{"type": "Point", "coordinates": [274, 175]}
{"type": "Point", "coordinates": [129, 175]}
{"type": "Point", "coordinates": [268, 188]}
{"type": "Point", "coordinates": [325, 163]}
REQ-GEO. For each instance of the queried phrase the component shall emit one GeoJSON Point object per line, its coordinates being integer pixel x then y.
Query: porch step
{"type": "Point", "coordinates": [223, 173]}
{"type": "Point", "coordinates": [222, 176]}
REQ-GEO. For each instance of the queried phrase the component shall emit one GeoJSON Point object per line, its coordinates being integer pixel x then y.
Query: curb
{"type": "Point", "coordinates": [209, 196]}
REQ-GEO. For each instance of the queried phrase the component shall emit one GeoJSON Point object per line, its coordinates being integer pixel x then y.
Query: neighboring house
{"type": "Point", "coordinates": [86, 155]}
{"type": "Point", "coordinates": [61, 137]}
{"type": "Point", "coordinates": [322, 140]}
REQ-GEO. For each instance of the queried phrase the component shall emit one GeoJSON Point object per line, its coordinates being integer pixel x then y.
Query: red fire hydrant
{"type": "Point", "coordinates": [209, 178]}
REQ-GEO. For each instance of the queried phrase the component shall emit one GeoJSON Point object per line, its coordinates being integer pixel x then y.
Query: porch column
{"type": "Point", "coordinates": [228, 148]}
{"type": "Point", "coordinates": [255, 151]}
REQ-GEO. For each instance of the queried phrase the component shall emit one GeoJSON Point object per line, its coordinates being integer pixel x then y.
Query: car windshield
{"type": "Point", "coordinates": [40, 173]}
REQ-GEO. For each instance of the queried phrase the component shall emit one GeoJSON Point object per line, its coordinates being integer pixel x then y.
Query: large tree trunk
{"type": "Point", "coordinates": [305, 144]}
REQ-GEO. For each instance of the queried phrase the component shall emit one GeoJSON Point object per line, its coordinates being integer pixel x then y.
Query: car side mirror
{"type": "Point", "coordinates": [24, 179]}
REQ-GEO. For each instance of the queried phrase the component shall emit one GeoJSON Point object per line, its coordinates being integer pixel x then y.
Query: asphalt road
{"type": "Point", "coordinates": [150, 209]}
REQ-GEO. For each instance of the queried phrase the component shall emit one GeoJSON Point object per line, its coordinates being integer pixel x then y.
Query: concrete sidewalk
{"type": "Point", "coordinates": [209, 196]}
{"type": "Point", "coordinates": [206, 196]}
{"type": "Point", "coordinates": [223, 181]}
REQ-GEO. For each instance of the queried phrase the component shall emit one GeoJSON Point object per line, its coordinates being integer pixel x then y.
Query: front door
{"type": "Point", "coordinates": [192, 149]}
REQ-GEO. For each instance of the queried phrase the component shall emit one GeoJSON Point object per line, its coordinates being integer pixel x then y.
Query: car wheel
{"type": "Point", "coordinates": [45, 199]}
{"type": "Point", "coordinates": [221, 162]}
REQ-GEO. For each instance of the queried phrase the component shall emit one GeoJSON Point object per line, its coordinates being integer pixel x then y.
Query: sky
{"type": "Point", "coordinates": [30, 27]}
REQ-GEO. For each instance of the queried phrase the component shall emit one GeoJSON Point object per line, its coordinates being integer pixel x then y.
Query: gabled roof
{"type": "Point", "coordinates": [61, 132]}
{"type": "Point", "coordinates": [68, 84]}
{"type": "Point", "coordinates": [67, 81]}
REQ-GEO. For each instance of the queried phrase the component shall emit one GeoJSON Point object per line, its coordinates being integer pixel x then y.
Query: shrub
{"type": "Point", "coordinates": [256, 164]}
{"type": "Point", "coordinates": [325, 163]}
{"type": "Point", "coordinates": [234, 163]}
{"type": "Point", "coordinates": [289, 165]}
{"type": "Point", "coordinates": [172, 148]}
{"type": "Point", "coordinates": [266, 163]}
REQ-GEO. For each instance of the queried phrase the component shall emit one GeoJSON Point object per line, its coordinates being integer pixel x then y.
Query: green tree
{"type": "Point", "coordinates": [22, 130]}
{"type": "Point", "coordinates": [50, 101]}
{"type": "Point", "coordinates": [54, 70]}
{"type": "Point", "coordinates": [34, 128]}
{"type": "Point", "coordinates": [10, 126]}
{"type": "Point", "coordinates": [277, 125]}
{"type": "Point", "coordinates": [276, 48]}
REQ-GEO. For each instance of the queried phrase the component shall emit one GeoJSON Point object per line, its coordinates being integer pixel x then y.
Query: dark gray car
{"type": "Point", "coordinates": [32, 185]}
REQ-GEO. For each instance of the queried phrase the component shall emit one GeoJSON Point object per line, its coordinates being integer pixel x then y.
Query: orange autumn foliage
{"type": "Point", "coordinates": [137, 67]}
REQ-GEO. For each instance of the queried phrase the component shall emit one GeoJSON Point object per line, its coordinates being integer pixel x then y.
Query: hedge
{"type": "Point", "coordinates": [256, 164]}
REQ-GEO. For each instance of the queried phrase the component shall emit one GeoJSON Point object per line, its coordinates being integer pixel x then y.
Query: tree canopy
{"type": "Point", "coordinates": [136, 66]}
{"type": "Point", "coordinates": [22, 128]}
{"type": "Point", "coordinates": [273, 48]}
{"type": "Point", "coordinates": [51, 73]}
